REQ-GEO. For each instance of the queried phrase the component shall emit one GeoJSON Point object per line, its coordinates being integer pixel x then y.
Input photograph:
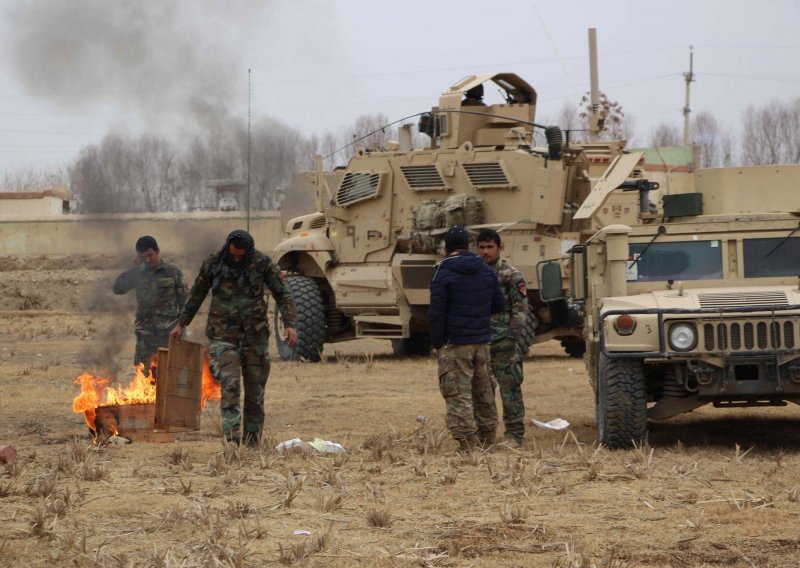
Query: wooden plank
{"type": "Point", "coordinates": [161, 386]}
{"type": "Point", "coordinates": [184, 384]}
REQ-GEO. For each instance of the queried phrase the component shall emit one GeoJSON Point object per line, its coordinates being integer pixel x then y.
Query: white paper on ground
{"type": "Point", "coordinates": [326, 446]}
{"type": "Point", "coordinates": [300, 532]}
{"type": "Point", "coordinates": [555, 424]}
{"type": "Point", "coordinates": [293, 443]}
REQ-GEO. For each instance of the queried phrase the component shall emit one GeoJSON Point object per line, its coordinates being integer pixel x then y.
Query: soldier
{"type": "Point", "coordinates": [464, 294]}
{"type": "Point", "coordinates": [160, 295]}
{"type": "Point", "coordinates": [474, 96]}
{"type": "Point", "coordinates": [508, 339]}
{"type": "Point", "coordinates": [238, 328]}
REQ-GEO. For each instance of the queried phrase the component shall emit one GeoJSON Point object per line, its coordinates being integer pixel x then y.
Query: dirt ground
{"type": "Point", "coordinates": [711, 488]}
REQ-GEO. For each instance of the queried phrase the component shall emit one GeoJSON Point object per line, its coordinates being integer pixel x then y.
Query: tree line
{"type": "Point", "coordinates": [150, 173]}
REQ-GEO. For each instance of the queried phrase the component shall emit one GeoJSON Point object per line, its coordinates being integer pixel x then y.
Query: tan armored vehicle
{"type": "Point", "coordinates": [361, 265]}
{"type": "Point", "coordinates": [699, 305]}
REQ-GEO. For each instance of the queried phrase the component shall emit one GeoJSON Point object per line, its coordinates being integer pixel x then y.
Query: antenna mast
{"type": "Point", "coordinates": [596, 118]}
{"type": "Point", "coordinates": [688, 77]}
{"type": "Point", "coordinates": [249, 153]}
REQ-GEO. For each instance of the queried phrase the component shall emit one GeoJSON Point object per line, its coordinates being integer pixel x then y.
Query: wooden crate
{"type": "Point", "coordinates": [179, 386]}
{"type": "Point", "coordinates": [133, 421]}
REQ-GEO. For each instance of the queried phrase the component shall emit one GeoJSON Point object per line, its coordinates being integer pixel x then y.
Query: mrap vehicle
{"type": "Point", "coordinates": [360, 266]}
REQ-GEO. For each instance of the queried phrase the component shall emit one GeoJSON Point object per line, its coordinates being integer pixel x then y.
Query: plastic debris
{"type": "Point", "coordinates": [293, 443]}
{"type": "Point", "coordinates": [301, 532]}
{"type": "Point", "coordinates": [327, 446]}
{"type": "Point", "coordinates": [554, 424]}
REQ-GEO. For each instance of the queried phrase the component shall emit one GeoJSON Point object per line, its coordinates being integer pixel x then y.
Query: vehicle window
{"type": "Point", "coordinates": [689, 260]}
{"type": "Point", "coordinates": [764, 257]}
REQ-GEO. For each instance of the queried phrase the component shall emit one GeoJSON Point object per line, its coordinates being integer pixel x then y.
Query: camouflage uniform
{"type": "Point", "coordinates": [239, 332]}
{"type": "Point", "coordinates": [507, 348]}
{"type": "Point", "coordinates": [160, 295]}
{"type": "Point", "coordinates": [466, 385]}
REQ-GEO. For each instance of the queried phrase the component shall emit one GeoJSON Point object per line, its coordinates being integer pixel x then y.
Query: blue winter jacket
{"type": "Point", "coordinates": [464, 295]}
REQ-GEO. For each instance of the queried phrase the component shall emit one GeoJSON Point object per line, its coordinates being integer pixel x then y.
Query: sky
{"type": "Point", "coordinates": [73, 71]}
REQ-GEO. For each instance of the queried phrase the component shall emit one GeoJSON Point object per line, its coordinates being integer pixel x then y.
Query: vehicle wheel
{"type": "Point", "coordinates": [310, 321]}
{"type": "Point", "coordinates": [574, 349]}
{"type": "Point", "coordinates": [418, 345]}
{"type": "Point", "coordinates": [621, 402]}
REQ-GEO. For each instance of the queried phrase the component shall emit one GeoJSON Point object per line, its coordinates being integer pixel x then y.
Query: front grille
{"type": "Point", "coordinates": [417, 274]}
{"type": "Point", "coordinates": [743, 299]}
{"type": "Point", "coordinates": [733, 336]}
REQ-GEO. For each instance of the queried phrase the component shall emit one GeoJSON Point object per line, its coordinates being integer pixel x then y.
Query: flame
{"type": "Point", "coordinates": [96, 392]}
{"type": "Point", "coordinates": [211, 386]}
{"type": "Point", "coordinates": [141, 390]}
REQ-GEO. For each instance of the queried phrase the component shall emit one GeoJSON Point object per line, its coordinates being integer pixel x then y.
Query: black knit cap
{"type": "Point", "coordinates": [456, 238]}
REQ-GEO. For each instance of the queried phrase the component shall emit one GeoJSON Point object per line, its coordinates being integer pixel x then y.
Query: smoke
{"type": "Point", "coordinates": [171, 63]}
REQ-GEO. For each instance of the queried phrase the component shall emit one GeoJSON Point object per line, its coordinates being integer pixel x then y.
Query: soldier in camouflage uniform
{"type": "Point", "coordinates": [238, 328]}
{"type": "Point", "coordinates": [160, 295]}
{"type": "Point", "coordinates": [464, 294]}
{"type": "Point", "coordinates": [508, 339]}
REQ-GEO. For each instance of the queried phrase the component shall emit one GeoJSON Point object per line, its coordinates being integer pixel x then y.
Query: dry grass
{"type": "Point", "coordinates": [699, 492]}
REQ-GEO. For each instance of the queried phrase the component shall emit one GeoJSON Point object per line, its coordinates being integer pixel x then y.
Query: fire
{"type": "Point", "coordinates": [96, 392]}
{"type": "Point", "coordinates": [140, 390]}
{"type": "Point", "coordinates": [211, 387]}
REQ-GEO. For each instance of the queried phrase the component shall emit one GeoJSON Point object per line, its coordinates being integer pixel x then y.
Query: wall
{"type": "Point", "coordinates": [178, 234]}
{"type": "Point", "coordinates": [25, 208]}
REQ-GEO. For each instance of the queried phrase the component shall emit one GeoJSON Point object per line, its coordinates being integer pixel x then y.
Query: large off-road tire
{"type": "Point", "coordinates": [310, 321]}
{"type": "Point", "coordinates": [418, 345]}
{"type": "Point", "coordinates": [621, 402]}
{"type": "Point", "coordinates": [575, 349]}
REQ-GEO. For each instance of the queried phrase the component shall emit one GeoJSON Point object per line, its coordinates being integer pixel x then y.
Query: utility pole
{"type": "Point", "coordinates": [249, 145]}
{"type": "Point", "coordinates": [688, 77]}
{"type": "Point", "coordinates": [596, 118]}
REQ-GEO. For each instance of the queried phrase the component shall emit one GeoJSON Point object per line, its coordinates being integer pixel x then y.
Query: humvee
{"type": "Point", "coordinates": [360, 266]}
{"type": "Point", "coordinates": [697, 305]}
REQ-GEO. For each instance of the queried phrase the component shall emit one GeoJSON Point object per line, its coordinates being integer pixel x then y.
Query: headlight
{"type": "Point", "coordinates": [682, 337]}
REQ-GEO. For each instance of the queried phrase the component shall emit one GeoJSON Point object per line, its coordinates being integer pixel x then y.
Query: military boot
{"type": "Point", "coordinates": [512, 442]}
{"type": "Point", "coordinates": [468, 444]}
{"type": "Point", "coordinates": [487, 438]}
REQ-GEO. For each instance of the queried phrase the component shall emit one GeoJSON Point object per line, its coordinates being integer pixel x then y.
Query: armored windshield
{"type": "Point", "coordinates": [758, 262]}
{"type": "Point", "coordinates": [684, 260]}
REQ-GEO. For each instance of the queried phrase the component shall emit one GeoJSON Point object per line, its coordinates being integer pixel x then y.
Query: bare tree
{"type": "Point", "coordinates": [665, 134]}
{"type": "Point", "coordinates": [615, 126]}
{"type": "Point", "coordinates": [716, 144]}
{"type": "Point", "coordinates": [772, 134]}
{"type": "Point", "coordinates": [31, 179]}
{"type": "Point", "coordinates": [369, 132]}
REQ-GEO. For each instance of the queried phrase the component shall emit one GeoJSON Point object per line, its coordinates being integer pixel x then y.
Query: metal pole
{"type": "Point", "coordinates": [249, 145]}
{"type": "Point", "coordinates": [688, 77]}
{"type": "Point", "coordinates": [594, 120]}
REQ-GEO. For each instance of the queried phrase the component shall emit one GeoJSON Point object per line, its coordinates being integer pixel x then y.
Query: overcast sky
{"type": "Point", "coordinates": [72, 70]}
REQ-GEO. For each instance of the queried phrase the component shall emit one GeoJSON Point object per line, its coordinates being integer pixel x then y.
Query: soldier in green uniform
{"type": "Point", "coordinates": [160, 295]}
{"type": "Point", "coordinates": [508, 337]}
{"type": "Point", "coordinates": [238, 328]}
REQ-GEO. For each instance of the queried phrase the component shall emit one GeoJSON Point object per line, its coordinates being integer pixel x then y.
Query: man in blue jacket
{"type": "Point", "coordinates": [464, 295]}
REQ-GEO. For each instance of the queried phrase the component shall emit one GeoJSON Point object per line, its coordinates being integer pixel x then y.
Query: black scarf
{"type": "Point", "coordinates": [227, 268]}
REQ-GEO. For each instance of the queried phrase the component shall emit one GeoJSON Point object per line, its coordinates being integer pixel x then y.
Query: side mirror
{"type": "Point", "coordinates": [550, 286]}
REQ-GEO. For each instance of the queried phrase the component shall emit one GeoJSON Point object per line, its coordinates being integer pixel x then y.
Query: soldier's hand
{"type": "Point", "coordinates": [291, 336]}
{"type": "Point", "coordinates": [177, 331]}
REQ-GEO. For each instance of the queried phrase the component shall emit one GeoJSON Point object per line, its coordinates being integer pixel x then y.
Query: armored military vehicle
{"type": "Point", "coordinates": [698, 304]}
{"type": "Point", "coordinates": [360, 266]}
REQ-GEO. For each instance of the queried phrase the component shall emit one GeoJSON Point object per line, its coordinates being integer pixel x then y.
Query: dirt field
{"type": "Point", "coordinates": [712, 488]}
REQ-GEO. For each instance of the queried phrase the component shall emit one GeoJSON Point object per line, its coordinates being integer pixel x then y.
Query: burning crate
{"type": "Point", "coordinates": [144, 411]}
